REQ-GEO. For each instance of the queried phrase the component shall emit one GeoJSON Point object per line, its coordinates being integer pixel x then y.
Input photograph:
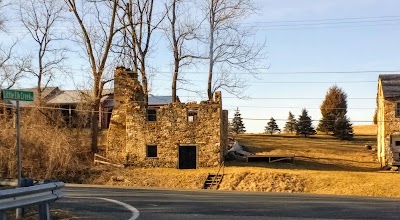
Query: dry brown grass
{"type": "Point", "coordinates": [48, 150]}
{"type": "Point", "coordinates": [365, 129]}
{"type": "Point", "coordinates": [323, 165]}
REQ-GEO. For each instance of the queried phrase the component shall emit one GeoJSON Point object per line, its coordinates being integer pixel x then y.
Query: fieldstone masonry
{"type": "Point", "coordinates": [130, 131]}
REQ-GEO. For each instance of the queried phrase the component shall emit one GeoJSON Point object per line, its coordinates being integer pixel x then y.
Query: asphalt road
{"type": "Point", "coordinates": [128, 203]}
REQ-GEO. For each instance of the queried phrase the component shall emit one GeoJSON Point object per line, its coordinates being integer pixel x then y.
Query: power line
{"type": "Point", "coordinates": [281, 73]}
{"type": "Point", "coordinates": [329, 23]}
{"type": "Point", "coordinates": [290, 25]}
{"type": "Point", "coordinates": [289, 98]}
{"type": "Point", "coordinates": [312, 120]}
{"type": "Point", "coordinates": [318, 20]}
{"type": "Point", "coordinates": [292, 107]}
{"type": "Point", "coordinates": [284, 82]}
{"type": "Point", "coordinates": [326, 27]}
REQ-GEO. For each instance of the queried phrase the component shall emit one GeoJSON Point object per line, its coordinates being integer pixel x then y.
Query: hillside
{"type": "Point", "coordinates": [323, 165]}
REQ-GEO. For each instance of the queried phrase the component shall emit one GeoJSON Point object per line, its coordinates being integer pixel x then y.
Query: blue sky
{"type": "Point", "coordinates": [295, 47]}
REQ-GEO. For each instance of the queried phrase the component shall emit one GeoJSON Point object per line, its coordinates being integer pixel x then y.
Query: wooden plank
{"type": "Point", "coordinates": [284, 155]}
{"type": "Point", "coordinates": [272, 158]}
{"type": "Point", "coordinates": [108, 163]}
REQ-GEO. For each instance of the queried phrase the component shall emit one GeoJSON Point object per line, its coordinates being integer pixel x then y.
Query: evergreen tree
{"type": "Point", "coordinates": [343, 128]}
{"type": "Point", "coordinates": [334, 105]}
{"type": "Point", "coordinates": [237, 123]}
{"type": "Point", "coordinates": [272, 127]}
{"type": "Point", "coordinates": [290, 125]}
{"type": "Point", "coordinates": [304, 124]}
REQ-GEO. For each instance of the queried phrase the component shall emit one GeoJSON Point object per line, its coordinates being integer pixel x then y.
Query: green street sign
{"type": "Point", "coordinates": [8, 94]}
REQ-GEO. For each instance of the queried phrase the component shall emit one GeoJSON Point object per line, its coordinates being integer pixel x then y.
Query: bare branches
{"type": "Point", "coordinates": [180, 32]}
{"type": "Point", "coordinates": [96, 29]}
{"type": "Point", "coordinates": [11, 68]}
{"type": "Point", "coordinates": [3, 5]}
{"type": "Point", "coordinates": [134, 45]}
{"type": "Point", "coordinates": [230, 46]}
{"type": "Point", "coordinates": [40, 17]}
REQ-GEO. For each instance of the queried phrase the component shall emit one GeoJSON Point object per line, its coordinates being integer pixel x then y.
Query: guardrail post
{"type": "Point", "coordinates": [44, 211]}
{"type": "Point", "coordinates": [3, 216]}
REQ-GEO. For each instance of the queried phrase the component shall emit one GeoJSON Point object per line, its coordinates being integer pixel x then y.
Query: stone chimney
{"type": "Point", "coordinates": [126, 87]}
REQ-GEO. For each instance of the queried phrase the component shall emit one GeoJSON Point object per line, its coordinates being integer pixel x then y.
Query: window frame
{"type": "Point", "coordinates": [147, 150]}
{"type": "Point", "coordinates": [153, 115]}
{"type": "Point", "coordinates": [192, 117]}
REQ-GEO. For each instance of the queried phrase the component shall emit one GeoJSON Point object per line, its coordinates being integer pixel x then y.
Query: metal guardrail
{"type": "Point", "coordinates": [40, 195]}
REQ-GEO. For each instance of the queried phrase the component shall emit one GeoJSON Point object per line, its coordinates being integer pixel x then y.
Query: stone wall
{"type": "Point", "coordinates": [130, 131]}
{"type": "Point", "coordinates": [126, 89]}
{"type": "Point", "coordinates": [388, 127]}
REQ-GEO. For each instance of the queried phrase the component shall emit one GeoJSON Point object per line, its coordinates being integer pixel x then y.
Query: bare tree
{"type": "Point", "coordinates": [139, 24]}
{"type": "Point", "coordinates": [181, 31]}
{"type": "Point", "coordinates": [11, 68]}
{"type": "Point", "coordinates": [40, 18]}
{"type": "Point", "coordinates": [10, 72]}
{"type": "Point", "coordinates": [95, 32]}
{"type": "Point", "coordinates": [3, 5]}
{"type": "Point", "coordinates": [230, 46]}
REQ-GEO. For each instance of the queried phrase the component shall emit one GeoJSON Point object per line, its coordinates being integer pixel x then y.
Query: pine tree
{"type": "Point", "coordinates": [272, 127]}
{"type": "Point", "coordinates": [290, 125]}
{"type": "Point", "coordinates": [334, 105]}
{"type": "Point", "coordinates": [237, 123]}
{"type": "Point", "coordinates": [304, 124]}
{"type": "Point", "coordinates": [343, 128]}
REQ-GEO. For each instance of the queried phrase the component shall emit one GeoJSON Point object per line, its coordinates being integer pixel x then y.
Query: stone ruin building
{"type": "Point", "coordinates": [388, 119]}
{"type": "Point", "coordinates": [177, 135]}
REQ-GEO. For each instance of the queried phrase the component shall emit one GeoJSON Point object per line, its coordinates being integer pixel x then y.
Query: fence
{"type": "Point", "coordinates": [40, 195]}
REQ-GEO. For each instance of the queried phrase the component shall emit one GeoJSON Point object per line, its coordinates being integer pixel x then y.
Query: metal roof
{"type": "Point", "coordinates": [66, 97]}
{"type": "Point", "coordinates": [76, 96]}
{"type": "Point", "coordinates": [390, 85]}
{"type": "Point", "coordinates": [160, 100]}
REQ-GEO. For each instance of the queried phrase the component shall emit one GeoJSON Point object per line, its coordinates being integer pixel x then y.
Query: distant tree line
{"type": "Point", "coordinates": [334, 120]}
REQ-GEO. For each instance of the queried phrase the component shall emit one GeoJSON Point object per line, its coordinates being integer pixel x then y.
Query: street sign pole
{"type": "Point", "coordinates": [19, 146]}
{"type": "Point", "coordinates": [19, 210]}
{"type": "Point", "coordinates": [16, 95]}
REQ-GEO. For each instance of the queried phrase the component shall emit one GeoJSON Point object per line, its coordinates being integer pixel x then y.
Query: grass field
{"type": "Point", "coordinates": [323, 165]}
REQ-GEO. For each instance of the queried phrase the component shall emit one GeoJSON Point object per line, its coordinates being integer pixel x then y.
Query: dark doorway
{"type": "Point", "coordinates": [187, 157]}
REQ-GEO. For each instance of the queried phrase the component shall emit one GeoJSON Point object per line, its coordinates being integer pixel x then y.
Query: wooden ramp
{"type": "Point", "coordinates": [213, 180]}
{"type": "Point", "coordinates": [270, 158]}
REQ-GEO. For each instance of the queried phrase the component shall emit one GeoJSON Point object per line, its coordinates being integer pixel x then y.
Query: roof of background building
{"type": "Point", "coordinates": [390, 85]}
{"type": "Point", "coordinates": [55, 96]}
{"type": "Point", "coordinates": [160, 100]}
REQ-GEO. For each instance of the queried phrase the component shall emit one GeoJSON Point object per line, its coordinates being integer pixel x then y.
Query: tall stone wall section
{"type": "Point", "coordinates": [130, 131]}
{"type": "Point", "coordinates": [381, 149]}
{"type": "Point", "coordinates": [127, 89]}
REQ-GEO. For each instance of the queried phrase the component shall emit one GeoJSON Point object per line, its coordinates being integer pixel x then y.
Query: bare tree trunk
{"type": "Point", "coordinates": [97, 47]}
{"type": "Point", "coordinates": [211, 51]}
{"type": "Point", "coordinates": [174, 79]}
{"type": "Point", "coordinates": [175, 51]}
{"type": "Point", "coordinates": [94, 127]}
{"type": "Point", "coordinates": [230, 45]}
{"type": "Point", "coordinates": [145, 84]}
